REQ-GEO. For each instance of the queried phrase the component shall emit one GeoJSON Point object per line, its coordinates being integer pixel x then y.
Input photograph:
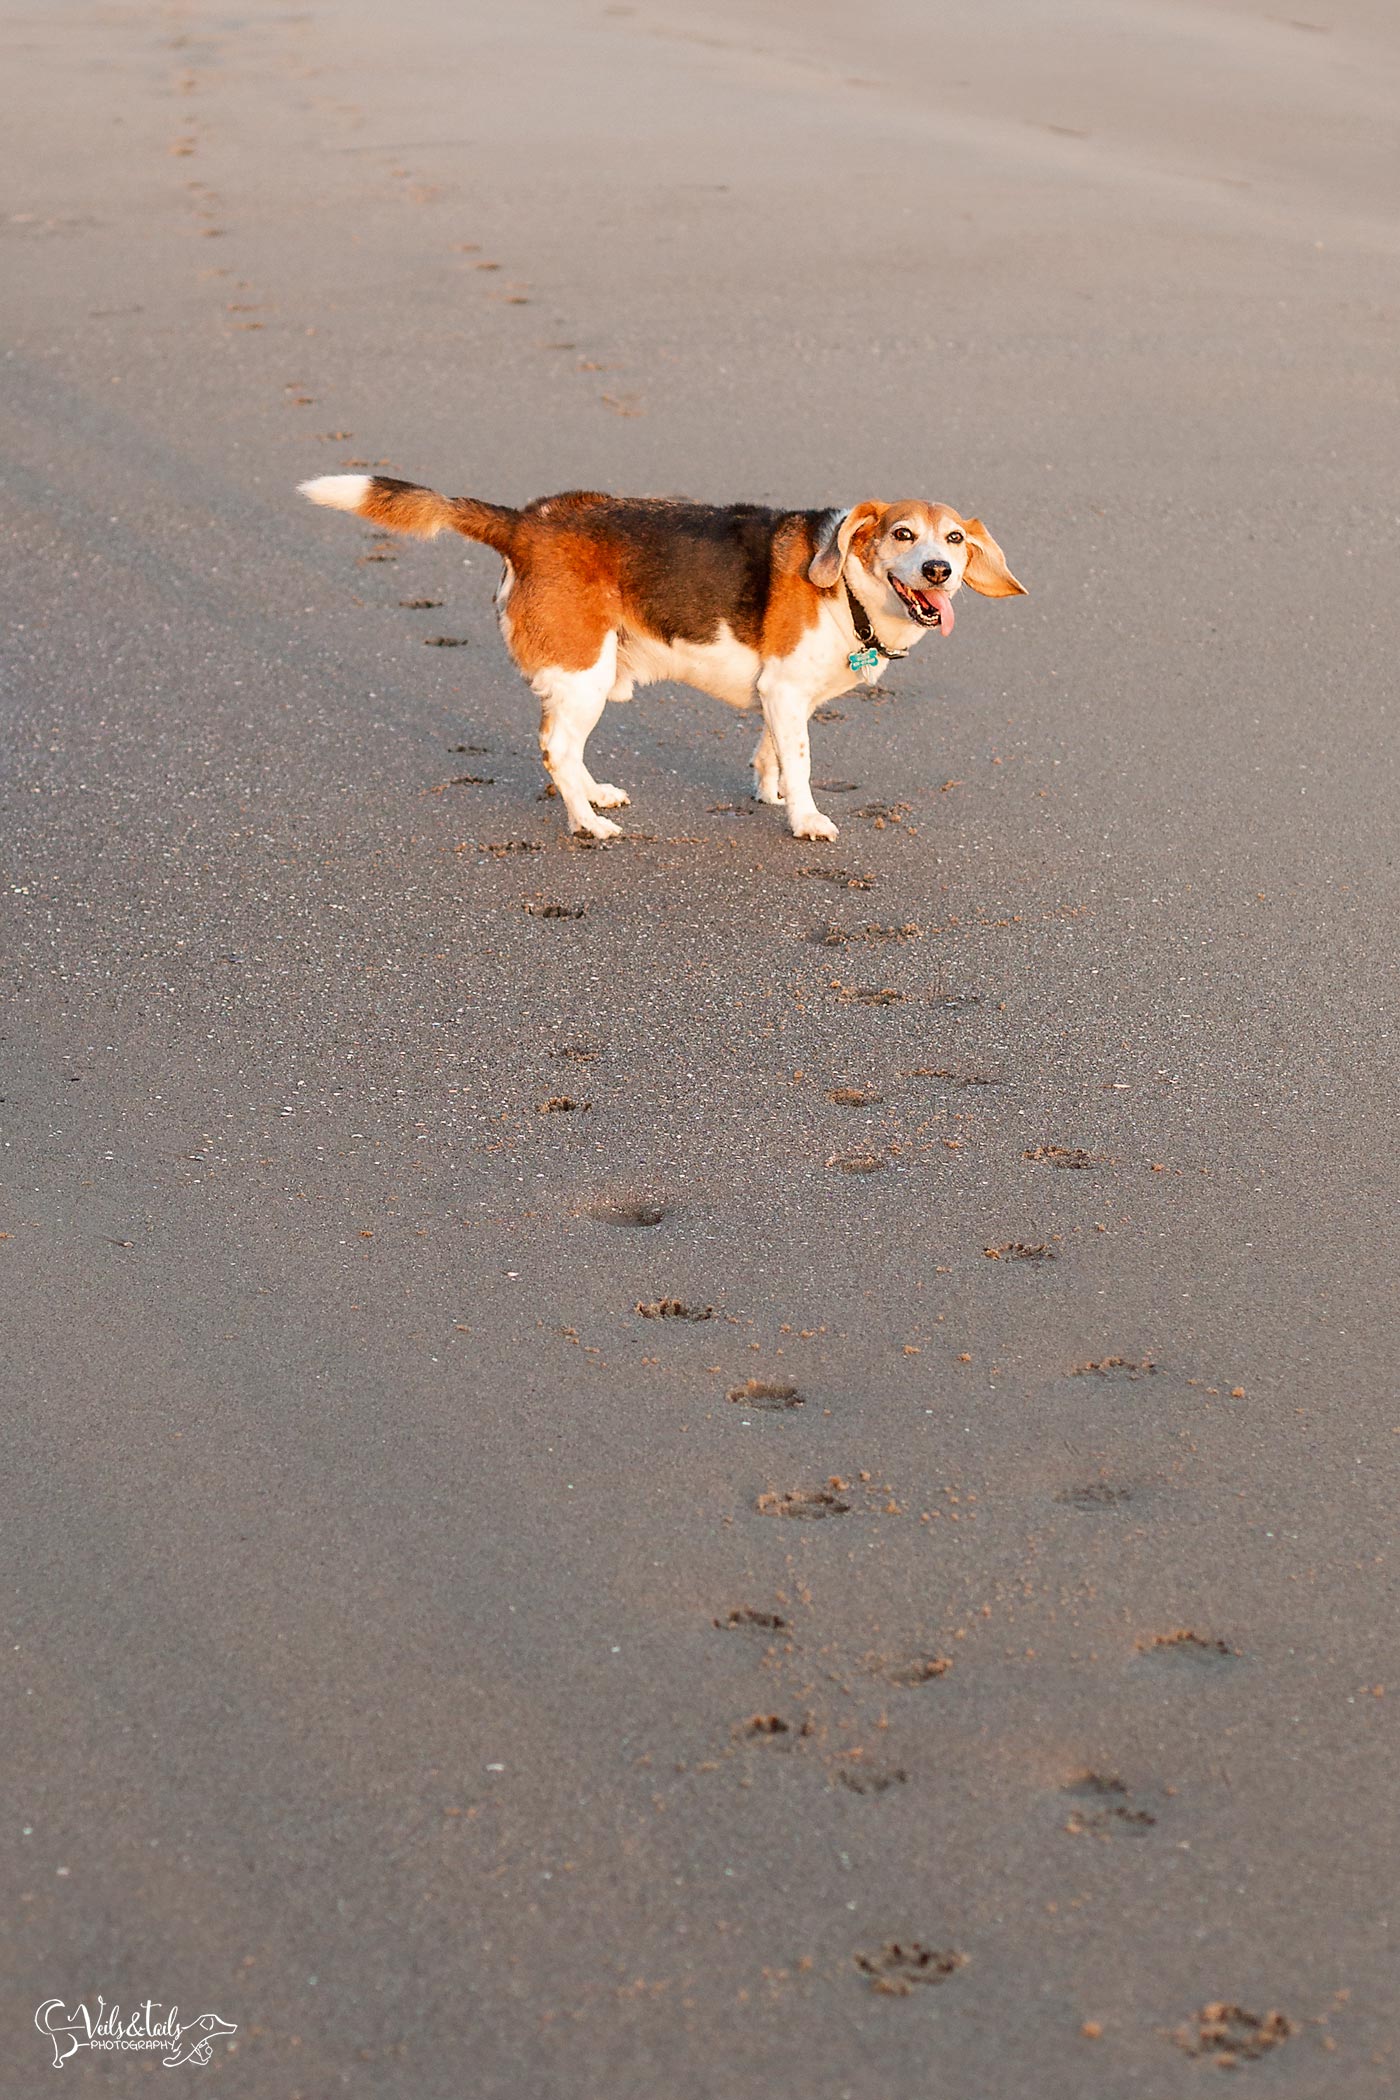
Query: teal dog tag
{"type": "Point", "coordinates": [864, 659]}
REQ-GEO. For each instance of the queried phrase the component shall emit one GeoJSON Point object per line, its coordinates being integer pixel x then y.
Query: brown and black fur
{"type": "Point", "coordinates": [659, 565]}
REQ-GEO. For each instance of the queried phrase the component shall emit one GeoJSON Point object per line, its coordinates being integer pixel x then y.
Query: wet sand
{"type": "Point", "coordinates": [417, 1655]}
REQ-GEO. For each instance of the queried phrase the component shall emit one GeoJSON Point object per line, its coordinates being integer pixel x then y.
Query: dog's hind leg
{"type": "Point", "coordinates": [767, 781]}
{"type": "Point", "coordinates": [571, 704]}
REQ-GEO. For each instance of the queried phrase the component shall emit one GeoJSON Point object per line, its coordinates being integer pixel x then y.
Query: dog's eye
{"type": "Point", "coordinates": [954, 539]}
{"type": "Point", "coordinates": [902, 532]}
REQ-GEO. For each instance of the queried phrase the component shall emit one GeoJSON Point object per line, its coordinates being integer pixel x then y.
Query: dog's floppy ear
{"type": "Point", "coordinates": [830, 557]}
{"type": "Point", "coordinates": [986, 569]}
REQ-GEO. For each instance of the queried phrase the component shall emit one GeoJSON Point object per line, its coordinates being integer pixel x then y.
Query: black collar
{"type": "Point", "coordinates": [865, 633]}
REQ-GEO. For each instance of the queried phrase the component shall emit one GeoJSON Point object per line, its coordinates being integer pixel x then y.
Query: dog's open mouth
{"type": "Point", "coordinates": [929, 608]}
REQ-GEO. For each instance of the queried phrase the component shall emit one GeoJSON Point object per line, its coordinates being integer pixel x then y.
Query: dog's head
{"type": "Point", "coordinates": [906, 560]}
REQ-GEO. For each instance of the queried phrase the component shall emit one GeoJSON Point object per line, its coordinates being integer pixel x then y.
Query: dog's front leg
{"type": "Point", "coordinates": [785, 709]}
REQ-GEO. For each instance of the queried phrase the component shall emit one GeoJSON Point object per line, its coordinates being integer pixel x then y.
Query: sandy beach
{"type": "Point", "coordinates": [959, 1657]}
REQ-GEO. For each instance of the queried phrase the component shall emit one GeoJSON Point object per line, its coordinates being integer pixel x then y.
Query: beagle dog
{"type": "Point", "coordinates": [770, 610]}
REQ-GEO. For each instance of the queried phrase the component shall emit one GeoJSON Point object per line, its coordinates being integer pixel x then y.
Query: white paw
{"type": "Point", "coordinates": [605, 796]}
{"type": "Point", "coordinates": [814, 826]}
{"type": "Point", "coordinates": [768, 791]}
{"type": "Point", "coordinates": [597, 827]}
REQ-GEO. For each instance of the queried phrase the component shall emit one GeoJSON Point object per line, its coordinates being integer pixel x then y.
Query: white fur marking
{"type": "Point", "coordinates": [726, 668]}
{"type": "Point", "coordinates": [337, 491]}
{"type": "Point", "coordinates": [503, 591]}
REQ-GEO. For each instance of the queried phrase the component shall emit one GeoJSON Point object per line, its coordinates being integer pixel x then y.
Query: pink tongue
{"type": "Point", "coordinates": [943, 606]}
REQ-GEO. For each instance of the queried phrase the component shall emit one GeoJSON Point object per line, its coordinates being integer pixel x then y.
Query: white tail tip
{"type": "Point", "coordinates": [337, 491]}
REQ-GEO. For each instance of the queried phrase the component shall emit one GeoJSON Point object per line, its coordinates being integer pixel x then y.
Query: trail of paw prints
{"type": "Point", "coordinates": [818, 1704]}
{"type": "Point", "coordinates": [185, 85]}
{"type": "Point", "coordinates": [923, 1130]}
{"type": "Point", "coordinates": [926, 1127]}
{"type": "Point", "coordinates": [804, 1717]}
{"type": "Point", "coordinates": [204, 206]}
{"type": "Point", "coordinates": [807, 1727]}
{"type": "Point", "coordinates": [208, 220]}
{"type": "Point", "coordinates": [505, 290]}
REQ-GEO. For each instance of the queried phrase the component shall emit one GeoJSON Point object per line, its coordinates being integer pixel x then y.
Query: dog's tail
{"type": "Point", "coordinates": [404, 507]}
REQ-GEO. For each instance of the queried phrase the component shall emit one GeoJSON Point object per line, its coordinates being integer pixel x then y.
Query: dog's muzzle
{"type": "Point", "coordinates": [930, 608]}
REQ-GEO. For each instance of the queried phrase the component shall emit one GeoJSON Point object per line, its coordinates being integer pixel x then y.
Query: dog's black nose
{"type": "Point", "coordinates": [938, 571]}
